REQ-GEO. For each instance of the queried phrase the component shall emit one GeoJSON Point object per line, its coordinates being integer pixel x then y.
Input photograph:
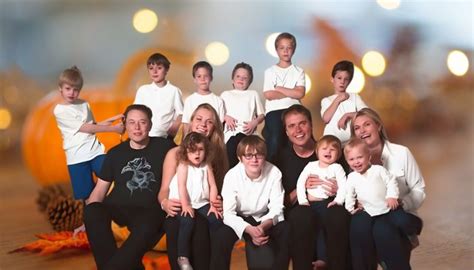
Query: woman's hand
{"type": "Point", "coordinates": [171, 206]}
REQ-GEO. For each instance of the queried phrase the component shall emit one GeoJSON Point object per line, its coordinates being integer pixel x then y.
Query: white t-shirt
{"type": "Point", "coordinates": [371, 189]}
{"type": "Point", "coordinates": [196, 99]}
{"type": "Point", "coordinates": [289, 77]}
{"type": "Point", "coordinates": [353, 104]}
{"type": "Point", "coordinates": [165, 103]}
{"type": "Point", "coordinates": [332, 171]}
{"type": "Point", "coordinates": [79, 146]}
{"type": "Point", "coordinates": [244, 106]}
{"type": "Point", "coordinates": [197, 186]}
{"type": "Point", "coordinates": [261, 198]}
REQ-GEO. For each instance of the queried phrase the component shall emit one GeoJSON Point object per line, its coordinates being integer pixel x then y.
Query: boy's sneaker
{"type": "Point", "coordinates": [183, 263]}
{"type": "Point", "coordinates": [414, 241]}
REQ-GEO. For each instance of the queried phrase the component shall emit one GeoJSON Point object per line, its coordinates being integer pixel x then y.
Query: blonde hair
{"type": "Point", "coordinates": [71, 76]}
{"type": "Point", "coordinates": [375, 117]}
{"type": "Point", "coordinates": [356, 142]}
{"type": "Point", "coordinates": [217, 149]}
{"type": "Point", "coordinates": [332, 141]}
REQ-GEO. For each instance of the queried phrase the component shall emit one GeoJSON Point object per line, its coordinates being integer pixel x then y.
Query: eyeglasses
{"type": "Point", "coordinates": [249, 156]}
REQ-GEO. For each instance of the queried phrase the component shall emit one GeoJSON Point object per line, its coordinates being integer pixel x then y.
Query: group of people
{"type": "Point", "coordinates": [346, 201]}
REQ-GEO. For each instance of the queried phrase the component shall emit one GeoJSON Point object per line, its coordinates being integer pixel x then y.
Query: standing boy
{"type": "Point", "coordinates": [163, 98]}
{"type": "Point", "coordinates": [202, 74]}
{"type": "Point", "coordinates": [84, 152]}
{"type": "Point", "coordinates": [284, 85]}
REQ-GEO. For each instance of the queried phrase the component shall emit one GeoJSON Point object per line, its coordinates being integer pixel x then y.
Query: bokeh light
{"type": "Point", "coordinates": [458, 63]}
{"type": "Point", "coordinates": [5, 118]}
{"type": "Point", "coordinates": [270, 44]}
{"type": "Point", "coordinates": [389, 4]}
{"type": "Point", "coordinates": [217, 53]}
{"type": "Point", "coordinates": [373, 63]}
{"type": "Point", "coordinates": [358, 81]}
{"type": "Point", "coordinates": [145, 20]}
{"type": "Point", "coordinates": [308, 83]}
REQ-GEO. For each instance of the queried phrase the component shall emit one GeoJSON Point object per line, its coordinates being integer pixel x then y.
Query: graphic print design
{"type": "Point", "coordinates": [141, 179]}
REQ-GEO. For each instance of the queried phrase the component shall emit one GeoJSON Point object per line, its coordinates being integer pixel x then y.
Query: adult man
{"type": "Point", "coordinates": [291, 160]}
{"type": "Point", "coordinates": [135, 167]}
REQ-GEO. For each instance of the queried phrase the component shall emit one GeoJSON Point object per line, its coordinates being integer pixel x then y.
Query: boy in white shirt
{"type": "Point", "coordinates": [329, 150]}
{"type": "Point", "coordinates": [338, 110]}
{"type": "Point", "coordinates": [84, 152]}
{"type": "Point", "coordinates": [375, 189]}
{"type": "Point", "coordinates": [163, 98]}
{"type": "Point", "coordinates": [244, 110]}
{"type": "Point", "coordinates": [253, 209]}
{"type": "Point", "coordinates": [202, 74]}
{"type": "Point", "coordinates": [283, 86]}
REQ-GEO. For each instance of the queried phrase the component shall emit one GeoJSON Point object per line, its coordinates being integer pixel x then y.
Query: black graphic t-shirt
{"type": "Point", "coordinates": [136, 173]}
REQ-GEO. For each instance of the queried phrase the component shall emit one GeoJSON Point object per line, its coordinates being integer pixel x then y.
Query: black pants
{"type": "Point", "coordinates": [144, 225]}
{"type": "Point", "coordinates": [200, 244]}
{"type": "Point", "coordinates": [272, 255]}
{"type": "Point", "coordinates": [231, 146]}
{"type": "Point", "coordinates": [303, 232]}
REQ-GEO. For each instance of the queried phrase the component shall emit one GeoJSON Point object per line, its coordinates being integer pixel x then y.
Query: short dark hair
{"type": "Point", "coordinates": [286, 35]}
{"type": "Point", "coordinates": [158, 59]}
{"type": "Point", "coordinates": [343, 65]}
{"type": "Point", "coordinates": [202, 64]}
{"type": "Point", "coordinates": [246, 67]}
{"type": "Point", "coordinates": [296, 108]}
{"type": "Point", "coordinates": [138, 107]}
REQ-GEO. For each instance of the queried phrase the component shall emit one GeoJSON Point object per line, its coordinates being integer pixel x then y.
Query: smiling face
{"type": "Point", "coordinates": [137, 125]}
{"type": "Point", "coordinates": [340, 81]}
{"type": "Point", "coordinates": [298, 128]}
{"type": "Point", "coordinates": [241, 79]}
{"type": "Point", "coordinates": [197, 155]}
{"type": "Point", "coordinates": [69, 93]}
{"type": "Point", "coordinates": [203, 122]}
{"type": "Point", "coordinates": [157, 73]}
{"type": "Point", "coordinates": [358, 158]}
{"type": "Point", "coordinates": [328, 153]}
{"type": "Point", "coordinates": [366, 129]}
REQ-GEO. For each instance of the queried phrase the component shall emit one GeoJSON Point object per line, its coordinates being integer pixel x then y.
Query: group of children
{"type": "Point", "coordinates": [242, 111]}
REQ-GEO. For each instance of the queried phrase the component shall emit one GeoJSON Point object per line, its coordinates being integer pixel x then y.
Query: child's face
{"type": "Point", "coordinates": [358, 159]}
{"type": "Point", "coordinates": [253, 162]}
{"type": "Point", "coordinates": [157, 73]}
{"type": "Point", "coordinates": [241, 79]}
{"type": "Point", "coordinates": [328, 153]}
{"type": "Point", "coordinates": [340, 81]}
{"type": "Point", "coordinates": [69, 93]}
{"type": "Point", "coordinates": [202, 79]}
{"type": "Point", "coordinates": [197, 156]}
{"type": "Point", "coordinates": [285, 50]}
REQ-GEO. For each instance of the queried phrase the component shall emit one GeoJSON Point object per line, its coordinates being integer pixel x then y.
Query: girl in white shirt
{"type": "Point", "coordinates": [253, 209]}
{"type": "Point", "coordinates": [244, 110]}
{"type": "Point", "coordinates": [195, 186]}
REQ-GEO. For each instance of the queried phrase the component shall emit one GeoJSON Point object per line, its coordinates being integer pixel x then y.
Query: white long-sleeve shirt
{"type": "Point", "coordinates": [261, 198]}
{"type": "Point", "coordinates": [399, 161]}
{"type": "Point", "coordinates": [332, 171]}
{"type": "Point", "coordinates": [371, 189]}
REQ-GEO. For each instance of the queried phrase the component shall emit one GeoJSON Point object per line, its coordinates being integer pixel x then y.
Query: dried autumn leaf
{"type": "Point", "coordinates": [52, 243]}
{"type": "Point", "coordinates": [156, 263]}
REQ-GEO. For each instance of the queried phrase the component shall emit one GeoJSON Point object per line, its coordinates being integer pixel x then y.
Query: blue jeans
{"type": "Point", "coordinates": [385, 236]}
{"type": "Point", "coordinates": [186, 226]}
{"type": "Point", "coordinates": [274, 133]}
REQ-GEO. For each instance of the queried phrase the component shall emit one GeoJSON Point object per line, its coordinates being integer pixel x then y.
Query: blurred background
{"type": "Point", "coordinates": [414, 64]}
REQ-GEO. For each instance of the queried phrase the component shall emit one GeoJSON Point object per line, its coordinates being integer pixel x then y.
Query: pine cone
{"type": "Point", "coordinates": [48, 193]}
{"type": "Point", "coordinates": [65, 213]}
